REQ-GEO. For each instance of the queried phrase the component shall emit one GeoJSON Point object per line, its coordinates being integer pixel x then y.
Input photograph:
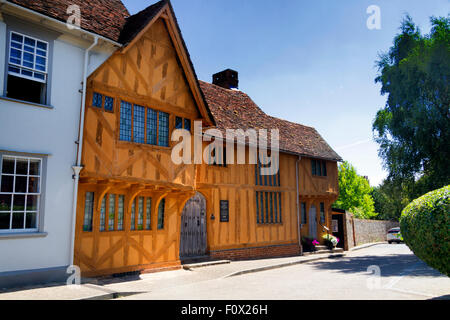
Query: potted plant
{"type": "Point", "coordinates": [330, 241]}
{"type": "Point", "coordinates": [309, 244]}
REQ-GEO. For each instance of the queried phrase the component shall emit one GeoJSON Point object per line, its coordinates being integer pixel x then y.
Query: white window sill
{"type": "Point", "coordinates": [22, 235]}
{"type": "Point", "coordinates": [27, 102]}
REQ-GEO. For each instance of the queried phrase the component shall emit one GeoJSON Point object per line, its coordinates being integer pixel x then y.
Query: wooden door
{"type": "Point", "coordinates": [312, 222]}
{"type": "Point", "coordinates": [193, 227]}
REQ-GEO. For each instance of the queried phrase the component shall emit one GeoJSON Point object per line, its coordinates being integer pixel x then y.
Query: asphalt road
{"type": "Point", "coordinates": [378, 272]}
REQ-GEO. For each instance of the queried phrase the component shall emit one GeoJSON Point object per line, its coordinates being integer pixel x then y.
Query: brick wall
{"type": "Point", "coordinates": [257, 252]}
{"type": "Point", "coordinates": [360, 231]}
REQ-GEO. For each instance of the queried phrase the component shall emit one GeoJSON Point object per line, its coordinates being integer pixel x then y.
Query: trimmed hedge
{"type": "Point", "coordinates": [425, 227]}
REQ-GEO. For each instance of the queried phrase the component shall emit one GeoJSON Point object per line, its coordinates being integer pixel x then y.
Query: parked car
{"type": "Point", "coordinates": [394, 235]}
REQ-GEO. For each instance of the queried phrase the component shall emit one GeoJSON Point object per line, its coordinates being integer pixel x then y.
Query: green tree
{"type": "Point", "coordinates": [354, 193]}
{"type": "Point", "coordinates": [413, 129]}
{"type": "Point", "coordinates": [390, 198]}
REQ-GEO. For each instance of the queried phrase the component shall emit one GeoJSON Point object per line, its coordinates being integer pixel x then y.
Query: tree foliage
{"type": "Point", "coordinates": [413, 129]}
{"type": "Point", "coordinates": [390, 198]}
{"type": "Point", "coordinates": [354, 193]}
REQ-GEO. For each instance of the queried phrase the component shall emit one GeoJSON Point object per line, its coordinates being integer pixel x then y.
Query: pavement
{"type": "Point", "coordinates": [398, 275]}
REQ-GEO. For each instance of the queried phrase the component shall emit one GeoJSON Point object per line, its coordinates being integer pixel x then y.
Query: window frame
{"type": "Point", "coordinates": [21, 66]}
{"type": "Point", "coordinates": [41, 33]}
{"type": "Point", "coordinates": [40, 206]}
{"type": "Point", "coordinates": [319, 168]}
{"type": "Point", "coordinates": [103, 101]}
{"type": "Point", "coordinates": [120, 101]}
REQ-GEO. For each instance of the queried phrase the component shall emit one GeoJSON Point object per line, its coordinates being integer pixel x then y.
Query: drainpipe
{"type": "Point", "coordinates": [78, 167]}
{"type": "Point", "coordinates": [299, 226]}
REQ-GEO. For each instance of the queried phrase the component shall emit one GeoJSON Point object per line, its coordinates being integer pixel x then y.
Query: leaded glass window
{"type": "Point", "coordinates": [88, 211]}
{"type": "Point", "coordinates": [125, 121]}
{"type": "Point", "coordinates": [163, 132]}
{"type": "Point", "coordinates": [121, 212]}
{"type": "Point", "coordinates": [133, 215]}
{"type": "Point", "coordinates": [161, 206]}
{"type": "Point", "coordinates": [112, 212]}
{"type": "Point", "coordinates": [97, 100]}
{"type": "Point", "coordinates": [148, 214]}
{"type": "Point", "coordinates": [152, 126]}
{"type": "Point", "coordinates": [178, 123]}
{"type": "Point", "coordinates": [140, 225]}
{"type": "Point", "coordinates": [103, 214]}
{"type": "Point", "coordinates": [109, 104]}
{"type": "Point", "coordinates": [139, 124]}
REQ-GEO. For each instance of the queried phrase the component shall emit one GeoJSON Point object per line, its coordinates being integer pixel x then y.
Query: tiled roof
{"type": "Point", "coordinates": [103, 17]}
{"type": "Point", "coordinates": [233, 109]}
{"type": "Point", "coordinates": [139, 21]}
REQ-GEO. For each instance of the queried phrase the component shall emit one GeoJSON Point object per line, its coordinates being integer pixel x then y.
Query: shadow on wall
{"type": "Point", "coordinates": [390, 265]}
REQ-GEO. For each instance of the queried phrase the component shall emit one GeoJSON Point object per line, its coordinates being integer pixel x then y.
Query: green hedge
{"type": "Point", "coordinates": [425, 227]}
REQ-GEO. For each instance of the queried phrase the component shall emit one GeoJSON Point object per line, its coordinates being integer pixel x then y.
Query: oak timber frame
{"type": "Point", "coordinates": [154, 71]}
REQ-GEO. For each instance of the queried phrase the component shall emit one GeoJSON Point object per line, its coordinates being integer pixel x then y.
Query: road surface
{"type": "Point", "coordinates": [378, 272]}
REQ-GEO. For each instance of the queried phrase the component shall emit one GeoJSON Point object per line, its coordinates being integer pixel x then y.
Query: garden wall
{"type": "Point", "coordinates": [361, 231]}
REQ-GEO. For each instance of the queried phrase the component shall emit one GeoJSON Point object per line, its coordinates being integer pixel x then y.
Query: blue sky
{"type": "Point", "coordinates": [311, 62]}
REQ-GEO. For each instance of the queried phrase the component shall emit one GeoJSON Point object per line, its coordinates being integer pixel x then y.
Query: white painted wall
{"type": "Point", "coordinates": [27, 128]}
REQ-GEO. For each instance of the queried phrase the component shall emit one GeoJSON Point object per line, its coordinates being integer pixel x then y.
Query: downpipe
{"type": "Point", "coordinates": [78, 167]}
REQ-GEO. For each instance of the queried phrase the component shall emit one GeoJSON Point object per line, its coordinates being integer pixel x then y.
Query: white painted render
{"type": "Point", "coordinates": [32, 129]}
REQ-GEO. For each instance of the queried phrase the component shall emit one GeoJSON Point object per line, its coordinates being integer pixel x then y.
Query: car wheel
{"type": "Point", "coordinates": [389, 241]}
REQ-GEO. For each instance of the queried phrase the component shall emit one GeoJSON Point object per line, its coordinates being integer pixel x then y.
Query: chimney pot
{"type": "Point", "coordinates": [227, 79]}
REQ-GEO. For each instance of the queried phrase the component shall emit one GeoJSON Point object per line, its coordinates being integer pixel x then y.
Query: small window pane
{"type": "Point", "coordinates": [31, 220]}
{"type": "Point", "coordinates": [152, 123]}
{"type": "Point", "coordinates": [103, 214]}
{"type": "Point", "coordinates": [33, 185]}
{"type": "Point", "coordinates": [22, 166]}
{"type": "Point", "coordinates": [42, 45]}
{"type": "Point", "coordinates": [19, 202]}
{"type": "Point", "coordinates": [187, 124]}
{"type": "Point", "coordinates": [125, 121]}
{"type": "Point", "coordinates": [35, 167]}
{"type": "Point", "coordinates": [5, 202]}
{"type": "Point", "coordinates": [30, 42]}
{"type": "Point", "coordinates": [178, 123]}
{"type": "Point", "coordinates": [8, 165]}
{"type": "Point", "coordinates": [141, 213]}
{"type": "Point", "coordinates": [257, 207]}
{"type": "Point", "coordinates": [120, 217]}
{"type": "Point", "coordinates": [4, 220]}
{"type": "Point", "coordinates": [21, 184]}
{"type": "Point", "coordinates": [7, 183]}
{"type": "Point", "coordinates": [163, 133]}
{"type": "Point", "coordinates": [161, 214]}
{"type": "Point", "coordinates": [16, 37]}
{"type": "Point", "coordinates": [97, 100]}
{"type": "Point", "coordinates": [88, 211]}
{"type": "Point", "coordinates": [18, 220]}
{"type": "Point", "coordinates": [139, 124]}
{"type": "Point", "coordinates": [133, 215]}
{"type": "Point", "coordinates": [109, 103]}
{"type": "Point", "coordinates": [16, 54]}
{"type": "Point", "coordinates": [148, 214]}
{"type": "Point", "coordinates": [32, 202]}
{"type": "Point", "coordinates": [112, 211]}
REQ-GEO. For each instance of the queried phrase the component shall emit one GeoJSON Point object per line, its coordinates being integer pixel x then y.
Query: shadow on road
{"type": "Point", "coordinates": [390, 265]}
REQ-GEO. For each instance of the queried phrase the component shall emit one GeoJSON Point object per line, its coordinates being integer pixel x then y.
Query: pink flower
{"type": "Point", "coordinates": [315, 242]}
{"type": "Point", "coordinates": [337, 239]}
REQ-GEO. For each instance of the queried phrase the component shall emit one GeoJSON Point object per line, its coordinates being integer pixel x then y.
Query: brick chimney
{"type": "Point", "coordinates": [227, 79]}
